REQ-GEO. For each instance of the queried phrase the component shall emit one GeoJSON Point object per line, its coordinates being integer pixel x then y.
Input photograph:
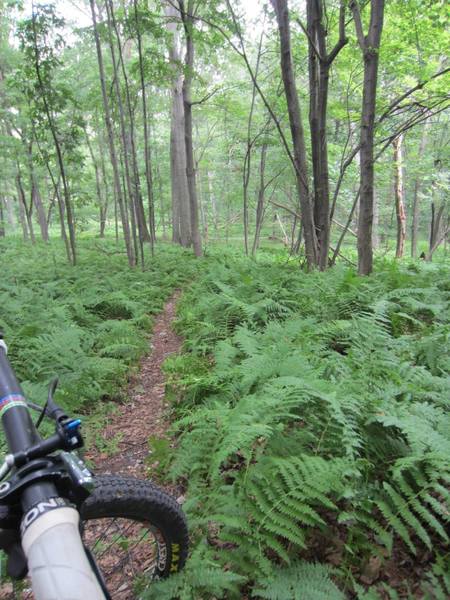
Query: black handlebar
{"type": "Point", "coordinates": [23, 440]}
{"type": "Point", "coordinates": [19, 428]}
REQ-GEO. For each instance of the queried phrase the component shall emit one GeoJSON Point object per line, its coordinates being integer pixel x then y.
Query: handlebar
{"type": "Point", "coordinates": [19, 429]}
{"type": "Point", "coordinates": [57, 561]}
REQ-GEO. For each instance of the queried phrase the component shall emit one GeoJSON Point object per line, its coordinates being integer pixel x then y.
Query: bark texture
{"type": "Point", "coordinates": [111, 141]}
{"type": "Point", "coordinates": [147, 151]}
{"type": "Point", "coordinates": [181, 219]}
{"type": "Point", "coordinates": [415, 203]}
{"type": "Point", "coordinates": [187, 18]}
{"type": "Point", "coordinates": [320, 61]}
{"type": "Point", "coordinates": [369, 45]}
{"type": "Point", "coordinates": [399, 196]}
{"type": "Point", "coordinates": [297, 134]}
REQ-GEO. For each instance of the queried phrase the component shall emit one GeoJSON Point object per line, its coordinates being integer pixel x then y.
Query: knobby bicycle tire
{"type": "Point", "coordinates": [136, 532]}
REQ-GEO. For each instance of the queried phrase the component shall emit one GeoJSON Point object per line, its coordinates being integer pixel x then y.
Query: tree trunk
{"type": "Point", "coordinates": [40, 211]}
{"type": "Point", "coordinates": [248, 154]}
{"type": "Point", "coordinates": [213, 202]}
{"type": "Point", "coordinates": [102, 212]}
{"type": "Point", "coordinates": [187, 104]}
{"type": "Point", "coordinates": [71, 255]}
{"type": "Point", "coordinates": [438, 229]}
{"type": "Point", "coordinates": [111, 142]}
{"type": "Point", "coordinates": [319, 70]}
{"type": "Point", "coordinates": [10, 213]}
{"type": "Point", "coordinates": [298, 138]}
{"type": "Point", "coordinates": [376, 222]}
{"type": "Point", "coordinates": [260, 203]}
{"type": "Point", "coordinates": [144, 235]}
{"type": "Point", "coordinates": [415, 203]}
{"type": "Point", "coordinates": [22, 217]}
{"type": "Point", "coordinates": [127, 148]}
{"type": "Point", "coordinates": [370, 45]}
{"type": "Point", "coordinates": [105, 179]}
{"type": "Point", "coordinates": [27, 211]}
{"type": "Point", "coordinates": [61, 210]}
{"type": "Point", "coordinates": [147, 150]}
{"type": "Point", "coordinates": [181, 220]}
{"type": "Point", "coordinates": [36, 199]}
{"type": "Point", "coordinates": [399, 196]}
{"type": "Point", "coordinates": [2, 216]}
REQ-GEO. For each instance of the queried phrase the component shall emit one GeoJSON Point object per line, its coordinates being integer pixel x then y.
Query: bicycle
{"type": "Point", "coordinates": [78, 536]}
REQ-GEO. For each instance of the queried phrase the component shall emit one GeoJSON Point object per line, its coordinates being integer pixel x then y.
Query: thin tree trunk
{"type": "Point", "coordinates": [101, 208]}
{"type": "Point", "coordinates": [2, 216]}
{"type": "Point", "coordinates": [61, 209]}
{"type": "Point", "coordinates": [144, 235]}
{"type": "Point", "coordinates": [181, 220]}
{"type": "Point", "coordinates": [260, 203]}
{"type": "Point", "coordinates": [22, 217]}
{"type": "Point", "coordinates": [376, 222]}
{"type": "Point", "coordinates": [61, 206]}
{"type": "Point", "coordinates": [438, 230]}
{"type": "Point", "coordinates": [72, 256]}
{"type": "Point", "coordinates": [213, 202]}
{"type": "Point", "coordinates": [147, 149]}
{"type": "Point", "coordinates": [399, 196]}
{"type": "Point", "coordinates": [415, 205]}
{"type": "Point", "coordinates": [27, 211]}
{"type": "Point", "coordinates": [248, 154]}
{"type": "Point", "coordinates": [10, 213]}
{"type": "Point", "coordinates": [345, 229]}
{"type": "Point", "coordinates": [319, 70]}
{"type": "Point", "coordinates": [111, 143]}
{"type": "Point", "coordinates": [36, 199]}
{"type": "Point", "coordinates": [40, 211]}
{"type": "Point", "coordinates": [187, 103]}
{"type": "Point", "coordinates": [298, 138]}
{"type": "Point", "coordinates": [105, 179]}
{"type": "Point", "coordinates": [126, 146]}
{"type": "Point", "coordinates": [370, 45]}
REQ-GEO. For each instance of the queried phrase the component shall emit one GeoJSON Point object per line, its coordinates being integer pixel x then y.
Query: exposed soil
{"type": "Point", "coordinates": [144, 415]}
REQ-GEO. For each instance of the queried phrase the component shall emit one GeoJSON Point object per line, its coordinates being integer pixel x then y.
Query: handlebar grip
{"type": "Point", "coordinates": [57, 561]}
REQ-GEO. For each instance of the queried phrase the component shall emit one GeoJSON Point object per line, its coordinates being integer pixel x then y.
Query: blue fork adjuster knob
{"type": "Point", "coordinates": [72, 425]}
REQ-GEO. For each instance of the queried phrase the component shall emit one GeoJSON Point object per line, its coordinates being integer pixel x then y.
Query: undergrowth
{"type": "Point", "coordinates": [314, 432]}
{"type": "Point", "coordinates": [87, 324]}
{"type": "Point", "coordinates": [312, 410]}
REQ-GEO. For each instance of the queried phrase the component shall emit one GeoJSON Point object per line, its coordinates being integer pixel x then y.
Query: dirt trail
{"type": "Point", "coordinates": [144, 414]}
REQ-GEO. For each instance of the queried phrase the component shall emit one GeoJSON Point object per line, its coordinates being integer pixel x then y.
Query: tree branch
{"type": "Point", "coordinates": [311, 42]}
{"type": "Point", "coordinates": [343, 40]}
{"type": "Point", "coordinates": [408, 93]}
{"type": "Point", "coordinates": [289, 210]}
{"type": "Point", "coordinates": [358, 25]}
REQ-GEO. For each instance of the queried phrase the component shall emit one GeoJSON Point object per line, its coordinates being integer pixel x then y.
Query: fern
{"type": "Point", "coordinates": [285, 496]}
{"type": "Point", "coordinates": [327, 416]}
{"type": "Point", "coordinates": [300, 581]}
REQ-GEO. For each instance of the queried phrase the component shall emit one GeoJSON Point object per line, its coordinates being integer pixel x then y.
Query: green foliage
{"type": "Point", "coordinates": [300, 581]}
{"type": "Point", "coordinates": [86, 324]}
{"type": "Point", "coordinates": [323, 417]}
{"type": "Point", "coordinates": [202, 578]}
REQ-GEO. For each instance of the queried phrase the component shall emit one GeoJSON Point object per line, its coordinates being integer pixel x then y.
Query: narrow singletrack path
{"type": "Point", "coordinates": [144, 414]}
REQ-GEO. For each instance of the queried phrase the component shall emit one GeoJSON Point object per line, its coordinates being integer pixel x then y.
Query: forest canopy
{"type": "Point", "coordinates": [317, 124]}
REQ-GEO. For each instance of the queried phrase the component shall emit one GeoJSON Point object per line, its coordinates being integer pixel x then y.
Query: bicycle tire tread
{"type": "Point", "coordinates": [142, 500]}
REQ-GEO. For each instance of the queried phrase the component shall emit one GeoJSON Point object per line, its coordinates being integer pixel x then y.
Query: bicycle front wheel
{"type": "Point", "coordinates": [136, 533]}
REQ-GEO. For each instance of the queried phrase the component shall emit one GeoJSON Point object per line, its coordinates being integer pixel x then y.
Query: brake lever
{"type": "Point", "coordinates": [49, 403]}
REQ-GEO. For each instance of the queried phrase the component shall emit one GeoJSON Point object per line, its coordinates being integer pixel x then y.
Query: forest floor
{"type": "Point", "coordinates": [144, 414]}
{"type": "Point", "coordinates": [123, 447]}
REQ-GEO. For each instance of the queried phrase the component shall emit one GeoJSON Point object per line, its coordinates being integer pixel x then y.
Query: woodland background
{"type": "Point", "coordinates": [287, 167]}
